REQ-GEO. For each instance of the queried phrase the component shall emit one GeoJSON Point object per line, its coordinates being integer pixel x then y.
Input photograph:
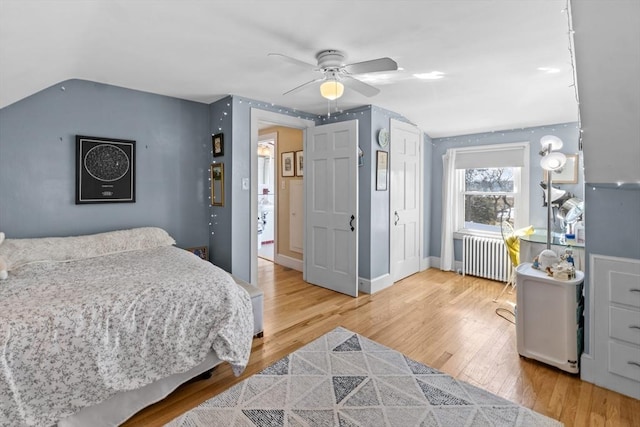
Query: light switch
{"type": "Point", "coordinates": [282, 186]}
{"type": "Point", "coordinates": [245, 183]}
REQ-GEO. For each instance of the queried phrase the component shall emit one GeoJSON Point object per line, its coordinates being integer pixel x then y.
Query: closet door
{"type": "Point", "coordinates": [405, 200]}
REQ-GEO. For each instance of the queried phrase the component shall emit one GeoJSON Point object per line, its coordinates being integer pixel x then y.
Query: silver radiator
{"type": "Point", "coordinates": [485, 257]}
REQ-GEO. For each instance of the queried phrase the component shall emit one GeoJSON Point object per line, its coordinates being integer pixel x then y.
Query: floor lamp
{"type": "Point", "coordinates": [551, 161]}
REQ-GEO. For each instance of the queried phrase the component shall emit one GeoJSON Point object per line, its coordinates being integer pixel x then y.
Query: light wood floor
{"type": "Point", "coordinates": [444, 320]}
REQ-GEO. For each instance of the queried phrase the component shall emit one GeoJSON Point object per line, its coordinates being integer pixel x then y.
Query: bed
{"type": "Point", "coordinates": [86, 320]}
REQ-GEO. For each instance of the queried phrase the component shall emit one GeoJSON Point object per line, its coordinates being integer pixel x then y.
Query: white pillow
{"type": "Point", "coordinates": [18, 252]}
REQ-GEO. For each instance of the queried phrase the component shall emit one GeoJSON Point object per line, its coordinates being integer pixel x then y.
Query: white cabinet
{"type": "Point", "coordinates": [613, 361]}
{"type": "Point", "coordinates": [549, 317]}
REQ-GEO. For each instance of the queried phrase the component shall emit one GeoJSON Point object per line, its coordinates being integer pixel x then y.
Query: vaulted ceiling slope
{"type": "Point", "coordinates": [505, 64]}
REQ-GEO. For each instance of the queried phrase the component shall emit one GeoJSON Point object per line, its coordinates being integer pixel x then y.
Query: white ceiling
{"type": "Point", "coordinates": [489, 50]}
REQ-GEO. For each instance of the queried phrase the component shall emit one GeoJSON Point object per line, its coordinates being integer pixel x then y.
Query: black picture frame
{"type": "Point", "coordinates": [217, 144]}
{"type": "Point", "coordinates": [105, 170]}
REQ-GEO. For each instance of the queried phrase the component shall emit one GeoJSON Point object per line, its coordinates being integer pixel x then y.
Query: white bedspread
{"type": "Point", "coordinates": [74, 333]}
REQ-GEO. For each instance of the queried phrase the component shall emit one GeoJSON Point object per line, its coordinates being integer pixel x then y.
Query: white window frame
{"type": "Point", "coordinates": [520, 183]}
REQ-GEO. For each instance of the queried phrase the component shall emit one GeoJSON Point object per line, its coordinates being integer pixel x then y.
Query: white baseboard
{"type": "Point", "coordinates": [287, 261]}
{"type": "Point", "coordinates": [425, 263]}
{"type": "Point", "coordinates": [435, 263]}
{"type": "Point", "coordinates": [370, 286]}
{"type": "Point", "coordinates": [587, 368]}
{"type": "Point", "coordinates": [458, 265]}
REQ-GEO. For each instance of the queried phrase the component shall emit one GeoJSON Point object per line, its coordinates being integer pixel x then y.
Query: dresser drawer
{"type": "Point", "coordinates": [624, 288]}
{"type": "Point", "coordinates": [624, 324]}
{"type": "Point", "coordinates": [624, 360]}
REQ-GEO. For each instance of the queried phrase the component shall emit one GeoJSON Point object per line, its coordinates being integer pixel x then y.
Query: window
{"type": "Point", "coordinates": [488, 184]}
{"type": "Point", "coordinates": [489, 196]}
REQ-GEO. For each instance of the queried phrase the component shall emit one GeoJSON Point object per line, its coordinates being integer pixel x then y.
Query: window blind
{"type": "Point", "coordinates": [491, 156]}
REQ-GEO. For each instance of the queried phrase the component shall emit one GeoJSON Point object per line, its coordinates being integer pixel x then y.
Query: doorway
{"type": "Point", "coordinates": [265, 121]}
{"type": "Point", "coordinates": [267, 201]}
{"type": "Point", "coordinates": [339, 251]}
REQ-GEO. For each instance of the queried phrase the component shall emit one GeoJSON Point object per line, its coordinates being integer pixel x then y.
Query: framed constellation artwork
{"type": "Point", "coordinates": [105, 170]}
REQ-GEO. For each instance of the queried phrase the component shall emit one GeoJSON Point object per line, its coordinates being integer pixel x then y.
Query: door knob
{"type": "Point", "coordinates": [351, 222]}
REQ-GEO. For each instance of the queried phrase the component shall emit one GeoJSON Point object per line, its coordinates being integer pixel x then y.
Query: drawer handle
{"type": "Point", "coordinates": [634, 327]}
{"type": "Point", "coordinates": [633, 363]}
{"type": "Point", "coordinates": [634, 290]}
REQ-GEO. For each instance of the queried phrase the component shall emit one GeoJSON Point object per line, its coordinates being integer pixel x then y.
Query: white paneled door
{"type": "Point", "coordinates": [331, 207]}
{"type": "Point", "coordinates": [405, 199]}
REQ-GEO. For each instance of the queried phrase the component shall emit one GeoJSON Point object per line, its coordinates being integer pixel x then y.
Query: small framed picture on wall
{"type": "Point", "coordinates": [217, 142]}
{"type": "Point", "coordinates": [381, 170]}
{"type": "Point", "coordinates": [217, 184]}
{"type": "Point", "coordinates": [568, 174]}
{"type": "Point", "coordinates": [287, 166]}
{"type": "Point", "coordinates": [299, 163]}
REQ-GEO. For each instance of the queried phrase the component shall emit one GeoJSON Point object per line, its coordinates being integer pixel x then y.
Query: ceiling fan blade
{"type": "Point", "coordinates": [294, 61]}
{"type": "Point", "coordinates": [373, 66]}
{"type": "Point", "coordinates": [360, 86]}
{"type": "Point", "coordinates": [302, 86]}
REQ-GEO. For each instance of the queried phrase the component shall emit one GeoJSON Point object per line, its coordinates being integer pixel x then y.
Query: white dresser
{"type": "Point", "coordinates": [613, 361]}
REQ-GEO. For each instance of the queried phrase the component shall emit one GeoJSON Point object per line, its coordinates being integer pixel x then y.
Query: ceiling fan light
{"type": "Point", "coordinates": [331, 89]}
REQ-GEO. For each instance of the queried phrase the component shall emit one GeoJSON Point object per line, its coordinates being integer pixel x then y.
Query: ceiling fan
{"type": "Point", "coordinates": [337, 74]}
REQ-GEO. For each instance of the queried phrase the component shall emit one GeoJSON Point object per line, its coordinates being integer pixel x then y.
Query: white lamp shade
{"type": "Point", "coordinates": [331, 89]}
{"type": "Point", "coordinates": [556, 194]}
{"type": "Point", "coordinates": [553, 161]}
{"type": "Point", "coordinates": [556, 143]}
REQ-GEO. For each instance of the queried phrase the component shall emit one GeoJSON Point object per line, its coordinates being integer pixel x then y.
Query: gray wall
{"type": "Point", "coordinates": [568, 132]}
{"type": "Point", "coordinates": [241, 199]}
{"type": "Point", "coordinates": [612, 223]}
{"type": "Point", "coordinates": [37, 162]}
{"type": "Point", "coordinates": [220, 217]}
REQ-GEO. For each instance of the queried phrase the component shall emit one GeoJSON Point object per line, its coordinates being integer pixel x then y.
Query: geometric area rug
{"type": "Point", "coordinates": [344, 379]}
